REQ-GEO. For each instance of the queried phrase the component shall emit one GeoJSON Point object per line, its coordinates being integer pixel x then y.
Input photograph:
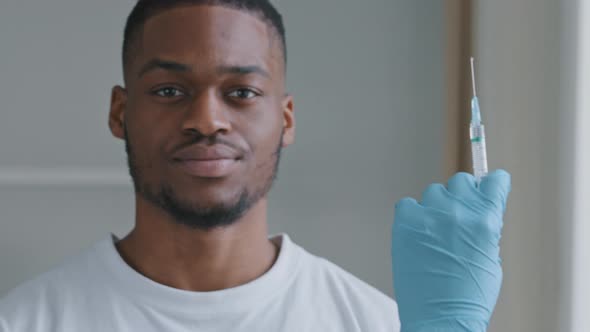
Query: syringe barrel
{"type": "Point", "coordinates": [478, 151]}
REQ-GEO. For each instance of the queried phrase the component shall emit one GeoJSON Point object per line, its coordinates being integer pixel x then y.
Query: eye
{"type": "Point", "coordinates": [243, 93]}
{"type": "Point", "coordinates": [168, 92]}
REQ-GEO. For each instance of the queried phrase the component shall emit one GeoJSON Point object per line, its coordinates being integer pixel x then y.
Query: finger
{"type": "Point", "coordinates": [406, 205]}
{"type": "Point", "coordinates": [462, 185]}
{"type": "Point", "coordinates": [408, 220]}
{"type": "Point", "coordinates": [496, 187]}
{"type": "Point", "coordinates": [405, 210]}
{"type": "Point", "coordinates": [435, 196]}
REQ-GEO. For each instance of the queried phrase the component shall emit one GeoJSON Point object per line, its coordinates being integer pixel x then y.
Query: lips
{"type": "Point", "coordinates": [207, 161]}
{"type": "Point", "coordinates": [201, 152]}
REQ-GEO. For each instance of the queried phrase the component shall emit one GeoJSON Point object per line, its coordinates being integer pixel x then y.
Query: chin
{"type": "Point", "coordinates": [208, 196]}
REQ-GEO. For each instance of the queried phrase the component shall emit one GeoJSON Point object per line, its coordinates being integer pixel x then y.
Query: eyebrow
{"type": "Point", "coordinates": [164, 64]}
{"type": "Point", "coordinates": [184, 68]}
{"type": "Point", "coordinates": [243, 70]}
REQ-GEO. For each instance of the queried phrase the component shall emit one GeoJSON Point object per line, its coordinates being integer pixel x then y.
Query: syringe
{"type": "Point", "coordinates": [477, 135]}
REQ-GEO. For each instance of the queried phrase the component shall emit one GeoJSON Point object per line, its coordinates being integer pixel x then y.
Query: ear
{"type": "Point", "coordinates": [288, 121]}
{"type": "Point", "coordinates": [117, 112]}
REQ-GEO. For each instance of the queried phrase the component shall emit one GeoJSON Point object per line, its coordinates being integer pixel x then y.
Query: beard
{"type": "Point", "coordinates": [187, 213]}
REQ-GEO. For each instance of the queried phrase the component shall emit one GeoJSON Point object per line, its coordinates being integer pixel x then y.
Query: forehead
{"type": "Point", "coordinates": [203, 35]}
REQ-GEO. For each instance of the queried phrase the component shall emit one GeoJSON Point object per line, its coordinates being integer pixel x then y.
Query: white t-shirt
{"type": "Point", "coordinates": [98, 292]}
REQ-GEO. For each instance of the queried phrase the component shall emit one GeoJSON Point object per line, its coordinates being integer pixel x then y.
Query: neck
{"type": "Point", "coordinates": [196, 260]}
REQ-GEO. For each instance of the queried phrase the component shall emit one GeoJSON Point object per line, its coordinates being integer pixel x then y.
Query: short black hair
{"type": "Point", "coordinates": [145, 9]}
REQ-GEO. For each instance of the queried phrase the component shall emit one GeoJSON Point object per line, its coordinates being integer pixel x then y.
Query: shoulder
{"type": "Point", "coordinates": [43, 297]}
{"type": "Point", "coordinates": [373, 310]}
{"type": "Point", "coordinates": [34, 300]}
{"type": "Point", "coordinates": [351, 286]}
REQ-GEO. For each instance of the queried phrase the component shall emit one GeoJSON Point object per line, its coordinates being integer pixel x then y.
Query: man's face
{"type": "Point", "coordinates": [205, 114]}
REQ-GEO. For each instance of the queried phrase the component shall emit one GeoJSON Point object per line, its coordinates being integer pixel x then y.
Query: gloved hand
{"type": "Point", "coordinates": [446, 255]}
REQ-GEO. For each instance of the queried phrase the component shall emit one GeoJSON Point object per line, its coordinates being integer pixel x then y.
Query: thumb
{"type": "Point", "coordinates": [496, 187]}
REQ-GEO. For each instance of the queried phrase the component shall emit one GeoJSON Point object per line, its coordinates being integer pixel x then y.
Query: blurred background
{"type": "Point", "coordinates": [382, 98]}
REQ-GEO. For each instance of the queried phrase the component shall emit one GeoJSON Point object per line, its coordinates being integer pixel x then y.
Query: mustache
{"type": "Point", "coordinates": [200, 139]}
{"type": "Point", "coordinates": [212, 141]}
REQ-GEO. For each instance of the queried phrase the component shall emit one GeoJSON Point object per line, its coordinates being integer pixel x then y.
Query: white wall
{"type": "Point", "coordinates": [531, 91]}
{"type": "Point", "coordinates": [368, 81]}
{"type": "Point", "coordinates": [577, 282]}
{"type": "Point", "coordinates": [59, 61]}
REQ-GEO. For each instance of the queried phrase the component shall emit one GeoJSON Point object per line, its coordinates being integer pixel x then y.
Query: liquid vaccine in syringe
{"type": "Point", "coordinates": [477, 135]}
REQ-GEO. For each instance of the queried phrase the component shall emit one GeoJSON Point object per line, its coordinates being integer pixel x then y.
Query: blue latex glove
{"type": "Point", "coordinates": [446, 255]}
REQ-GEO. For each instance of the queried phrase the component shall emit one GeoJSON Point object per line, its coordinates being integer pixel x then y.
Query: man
{"type": "Point", "coordinates": [204, 116]}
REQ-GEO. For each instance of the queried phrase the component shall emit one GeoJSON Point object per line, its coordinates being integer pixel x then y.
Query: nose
{"type": "Point", "coordinates": [206, 115]}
